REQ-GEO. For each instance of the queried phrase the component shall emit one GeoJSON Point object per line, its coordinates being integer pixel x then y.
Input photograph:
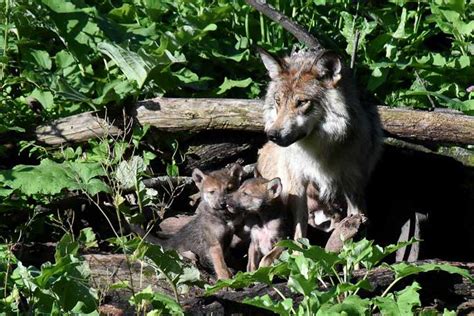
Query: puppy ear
{"type": "Point", "coordinates": [328, 68]}
{"type": "Point", "coordinates": [236, 171]}
{"type": "Point", "coordinates": [198, 177]}
{"type": "Point", "coordinates": [274, 188]}
{"type": "Point", "coordinates": [274, 65]}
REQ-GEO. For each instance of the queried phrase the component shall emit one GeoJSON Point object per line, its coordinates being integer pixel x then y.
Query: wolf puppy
{"type": "Point", "coordinates": [319, 132]}
{"type": "Point", "coordinates": [210, 232]}
{"type": "Point", "coordinates": [265, 218]}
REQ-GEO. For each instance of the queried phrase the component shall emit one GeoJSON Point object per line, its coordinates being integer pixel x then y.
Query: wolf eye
{"type": "Point", "coordinates": [277, 99]}
{"type": "Point", "coordinates": [300, 103]}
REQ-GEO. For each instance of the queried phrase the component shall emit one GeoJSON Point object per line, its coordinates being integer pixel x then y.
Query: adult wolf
{"type": "Point", "coordinates": [319, 132]}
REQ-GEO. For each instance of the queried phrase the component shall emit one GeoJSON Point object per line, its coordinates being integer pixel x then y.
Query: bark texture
{"type": "Point", "coordinates": [193, 116]}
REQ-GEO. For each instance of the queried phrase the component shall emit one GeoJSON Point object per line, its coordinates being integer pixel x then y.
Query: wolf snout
{"type": "Point", "coordinates": [273, 135]}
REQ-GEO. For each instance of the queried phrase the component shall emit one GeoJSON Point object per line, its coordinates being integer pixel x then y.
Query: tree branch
{"type": "Point", "coordinates": [296, 30]}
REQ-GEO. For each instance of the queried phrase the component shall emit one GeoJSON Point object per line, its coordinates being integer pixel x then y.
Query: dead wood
{"type": "Point", "coordinates": [106, 269]}
{"type": "Point", "coordinates": [198, 115]}
{"type": "Point", "coordinates": [296, 30]}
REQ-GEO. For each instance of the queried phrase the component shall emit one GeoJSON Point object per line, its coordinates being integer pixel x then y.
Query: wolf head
{"type": "Point", "coordinates": [302, 93]}
{"type": "Point", "coordinates": [215, 185]}
{"type": "Point", "coordinates": [254, 194]}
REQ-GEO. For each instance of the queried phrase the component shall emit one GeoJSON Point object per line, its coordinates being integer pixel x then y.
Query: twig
{"type": "Point", "coordinates": [296, 30]}
{"type": "Point", "coordinates": [354, 49]}
{"type": "Point", "coordinates": [422, 82]}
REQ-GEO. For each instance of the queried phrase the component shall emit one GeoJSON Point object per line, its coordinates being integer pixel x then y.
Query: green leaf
{"type": "Point", "coordinates": [64, 59]}
{"type": "Point", "coordinates": [408, 298]}
{"type": "Point", "coordinates": [134, 66]}
{"type": "Point", "coordinates": [464, 61]}
{"type": "Point", "coordinates": [403, 269]}
{"type": "Point", "coordinates": [75, 296]}
{"type": "Point", "coordinates": [169, 263]}
{"type": "Point", "coordinates": [127, 172]}
{"type": "Point", "coordinates": [66, 246]}
{"type": "Point", "coordinates": [42, 59]}
{"type": "Point", "coordinates": [159, 301]}
{"type": "Point", "coordinates": [238, 56]}
{"type": "Point", "coordinates": [377, 78]}
{"type": "Point", "coordinates": [447, 312]}
{"type": "Point", "coordinates": [352, 305]}
{"type": "Point", "coordinates": [229, 84]}
{"type": "Point", "coordinates": [87, 238]}
{"type": "Point", "coordinates": [400, 303]}
{"type": "Point", "coordinates": [349, 287]}
{"type": "Point", "coordinates": [378, 253]}
{"type": "Point", "coordinates": [51, 178]}
{"type": "Point", "coordinates": [69, 93]}
{"type": "Point", "coordinates": [44, 97]}
{"type": "Point", "coordinates": [281, 307]}
{"type": "Point", "coordinates": [243, 279]}
{"type": "Point", "coordinates": [123, 14]}
{"type": "Point", "coordinates": [400, 32]}
{"type": "Point", "coordinates": [172, 170]}
{"type": "Point", "coordinates": [60, 6]}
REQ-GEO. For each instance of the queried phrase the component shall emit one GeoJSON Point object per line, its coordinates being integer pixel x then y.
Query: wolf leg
{"type": "Point", "coordinates": [355, 203]}
{"type": "Point", "coordinates": [253, 257]}
{"type": "Point", "coordinates": [298, 205]}
{"type": "Point", "coordinates": [218, 262]}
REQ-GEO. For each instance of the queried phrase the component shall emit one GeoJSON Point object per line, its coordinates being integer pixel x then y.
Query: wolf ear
{"type": "Point", "coordinates": [256, 173]}
{"type": "Point", "coordinates": [328, 68]}
{"type": "Point", "coordinates": [236, 171]}
{"type": "Point", "coordinates": [198, 177]}
{"type": "Point", "coordinates": [273, 64]}
{"type": "Point", "coordinates": [274, 187]}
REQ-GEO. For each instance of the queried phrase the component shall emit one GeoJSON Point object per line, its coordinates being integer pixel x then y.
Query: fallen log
{"type": "Point", "coordinates": [439, 290]}
{"type": "Point", "coordinates": [107, 269]}
{"type": "Point", "coordinates": [198, 115]}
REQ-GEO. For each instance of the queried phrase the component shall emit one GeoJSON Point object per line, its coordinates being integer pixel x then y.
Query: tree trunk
{"type": "Point", "coordinates": [198, 115]}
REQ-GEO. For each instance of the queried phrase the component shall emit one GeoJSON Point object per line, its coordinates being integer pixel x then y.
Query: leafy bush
{"type": "Point", "coordinates": [57, 288]}
{"type": "Point", "coordinates": [74, 56]}
{"type": "Point", "coordinates": [326, 283]}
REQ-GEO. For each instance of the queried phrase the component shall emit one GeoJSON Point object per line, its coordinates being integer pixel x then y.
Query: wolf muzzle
{"type": "Point", "coordinates": [284, 140]}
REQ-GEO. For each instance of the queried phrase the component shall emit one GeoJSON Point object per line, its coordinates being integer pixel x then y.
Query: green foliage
{"type": "Point", "coordinates": [73, 56]}
{"type": "Point", "coordinates": [169, 266]}
{"type": "Point", "coordinates": [161, 304]}
{"type": "Point", "coordinates": [51, 178]}
{"type": "Point", "coordinates": [59, 288]}
{"type": "Point", "coordinates": [326, 284]}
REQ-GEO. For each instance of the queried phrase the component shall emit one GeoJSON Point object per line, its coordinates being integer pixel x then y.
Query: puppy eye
{"type": "Point", "coordinates": [245, 193]}
{"type": "Point", "coordinates": [211, 192]}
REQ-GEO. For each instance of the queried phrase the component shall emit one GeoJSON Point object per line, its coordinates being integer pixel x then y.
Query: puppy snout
{"type": "Point", "coordinates": [223, 203]}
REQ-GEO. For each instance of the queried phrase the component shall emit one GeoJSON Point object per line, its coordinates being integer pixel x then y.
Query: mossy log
{"type": "Point", "coordinates": [198, 115]}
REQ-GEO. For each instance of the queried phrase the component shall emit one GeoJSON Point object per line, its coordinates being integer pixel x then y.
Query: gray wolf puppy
{"type": "Point", "coordinates": [319, 132]}
{"type": "Point", "coordinates": [208, 235]}
{"type": "Point", "coordinates": [265, 220]}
